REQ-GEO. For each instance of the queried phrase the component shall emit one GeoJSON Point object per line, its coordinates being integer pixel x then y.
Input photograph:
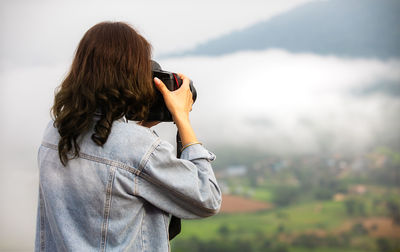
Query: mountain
{"type": "Point", "coordinates": [350, 28]}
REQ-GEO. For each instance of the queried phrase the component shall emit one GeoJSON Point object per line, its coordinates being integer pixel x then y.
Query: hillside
{"type": "Point", "coordinates": [350, 28]}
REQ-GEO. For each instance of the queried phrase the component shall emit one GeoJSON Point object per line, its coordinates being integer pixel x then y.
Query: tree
{"type": "Point", "coordinates": [285, 195]}
{"type": "Point", "coordinates": [394, 211]}
{"type": "Point", "coordinates": [355, 207]}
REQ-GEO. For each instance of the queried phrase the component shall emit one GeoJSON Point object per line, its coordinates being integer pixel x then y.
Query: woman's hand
{"type": "Point", "coordinates": [179, 103]}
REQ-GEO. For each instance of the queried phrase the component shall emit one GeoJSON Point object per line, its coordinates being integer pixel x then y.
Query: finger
{"type": "Point", "coordinates": [184, 79]}
{"type": "Point", "coordinates": [160, 86]}
{"type": "Point", "coordinates": [185, 83]}
{"type": "Point", "coordinates": [182, 76]}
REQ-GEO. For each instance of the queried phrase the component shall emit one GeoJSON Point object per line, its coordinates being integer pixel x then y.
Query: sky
{"type": "Point", "coordinates": [46, 32]}
{"type": "Point", "coordinates": [36, 48]}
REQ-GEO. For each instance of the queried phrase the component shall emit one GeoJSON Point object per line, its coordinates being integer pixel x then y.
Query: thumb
{"type": "Point", "coordinates": [160, 86]}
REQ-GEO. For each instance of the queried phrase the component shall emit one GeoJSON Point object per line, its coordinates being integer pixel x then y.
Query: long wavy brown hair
{"type": "Point", "coordinates": [109, 77]}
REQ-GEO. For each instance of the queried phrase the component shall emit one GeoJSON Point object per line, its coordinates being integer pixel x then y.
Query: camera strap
{"type": "Point", "coordinates": [174, 227]}
{"type": "Point", "coordinates": [175, 223]}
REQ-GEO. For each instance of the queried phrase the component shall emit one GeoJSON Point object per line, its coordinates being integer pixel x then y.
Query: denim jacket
{"type": "Point", "coordinates": [119, 197]}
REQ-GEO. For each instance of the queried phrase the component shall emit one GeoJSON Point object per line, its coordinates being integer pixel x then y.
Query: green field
{"type": "Point", "coordinates": [327, 215]}
{"type": "Point", "coordinates": [305, 216]}
{"type": "Point", "coordinates": [276, 226]}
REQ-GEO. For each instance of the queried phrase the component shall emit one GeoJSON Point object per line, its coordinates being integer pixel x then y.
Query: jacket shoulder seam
{"type": "Point", "coordinates": [146, 157]}
{"type": "Point", "coordinates": [135, 171]}
{"type": "Point", "coordinates": [113, 163]}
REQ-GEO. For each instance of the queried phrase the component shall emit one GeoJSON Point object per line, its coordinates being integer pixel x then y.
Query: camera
{"type": "Point", "coordinates": [158, 110]}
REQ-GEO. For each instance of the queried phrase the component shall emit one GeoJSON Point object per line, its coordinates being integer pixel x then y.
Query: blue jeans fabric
{"type": "Point", "coordinates": [119, 197]}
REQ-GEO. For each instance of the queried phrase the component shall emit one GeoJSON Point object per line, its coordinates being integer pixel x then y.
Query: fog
{"type": "Point", "coordinates": [272, 100]}
{"type": "Point", "coordinates": [293, 103]}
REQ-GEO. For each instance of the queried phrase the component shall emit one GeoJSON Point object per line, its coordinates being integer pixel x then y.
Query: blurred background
{"type": "Point", "coordinates": [299, 99]}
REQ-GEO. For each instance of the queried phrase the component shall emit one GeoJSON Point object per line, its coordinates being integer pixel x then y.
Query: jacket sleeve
{"type": "Point", "coordinates": [185, 187]}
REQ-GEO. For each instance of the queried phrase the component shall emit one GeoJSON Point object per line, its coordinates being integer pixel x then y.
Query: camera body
{"type": "Point", "coordinates": [158, 110]}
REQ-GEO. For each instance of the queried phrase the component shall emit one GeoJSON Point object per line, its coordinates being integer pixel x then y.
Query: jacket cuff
{"type": "Point", "coordinates": [197, 151]}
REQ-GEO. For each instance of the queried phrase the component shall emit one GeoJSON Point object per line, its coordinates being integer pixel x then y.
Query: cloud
{"type": "Point", "coordinates": [306, 100]}
{"type": "Point", "coordinates": [390, 88]}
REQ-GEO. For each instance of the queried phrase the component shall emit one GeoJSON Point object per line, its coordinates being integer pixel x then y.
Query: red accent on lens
{"type": "Point", "coordinates": [177, 83]}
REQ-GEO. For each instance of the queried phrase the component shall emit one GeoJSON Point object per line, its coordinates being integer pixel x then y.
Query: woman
{"type": "Point", "coordinates": [106, 184]}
